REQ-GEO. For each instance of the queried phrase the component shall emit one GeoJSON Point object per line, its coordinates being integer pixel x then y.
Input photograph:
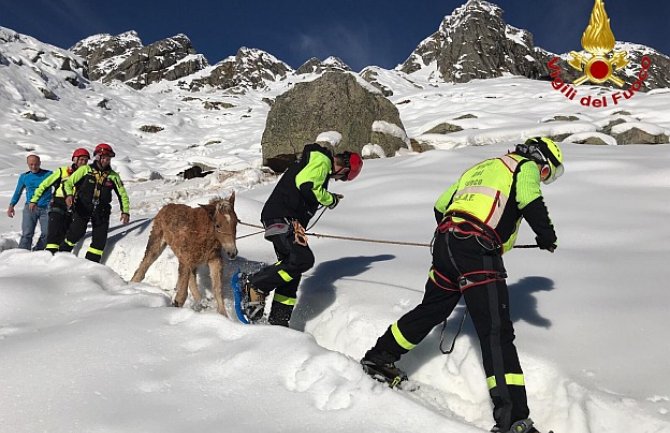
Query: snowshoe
{"type": "Point", "coordinates": [385, 373]}
{"type": "Point", "coordinates": [249, 302]}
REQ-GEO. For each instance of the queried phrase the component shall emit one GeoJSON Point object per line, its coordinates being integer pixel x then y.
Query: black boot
{"type": "Point", "coordinates": [280, 314]}
{"type": "Point", "coordinates": [381, 367]}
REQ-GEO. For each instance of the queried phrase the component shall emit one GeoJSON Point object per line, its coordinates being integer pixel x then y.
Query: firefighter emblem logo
{"type": "Point", "coordinates": [601, 62]}
{"type": "Point", "coordinates": [599, 65]}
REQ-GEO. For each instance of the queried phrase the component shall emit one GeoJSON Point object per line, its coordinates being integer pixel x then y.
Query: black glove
{"type": "Point", "coordinates": [336, 200]}
{"type": "Point", "coordinates": [546, 244]}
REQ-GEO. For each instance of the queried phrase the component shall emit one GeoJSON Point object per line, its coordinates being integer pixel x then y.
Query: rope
{"type": "Point", "coordinates": [453, 341]}
{"type": "Point", "coordinates": [251, 234]}
{"type": "Point", "coordinates": [374, 241]}
{"type": "Point", "coordinates": [356, 239]}
{"type": "Point", "coordinates": [317, 218]}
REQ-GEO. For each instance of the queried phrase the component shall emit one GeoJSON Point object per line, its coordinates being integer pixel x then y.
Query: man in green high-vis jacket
{"type": "Point", "coordinates": [478, 220]}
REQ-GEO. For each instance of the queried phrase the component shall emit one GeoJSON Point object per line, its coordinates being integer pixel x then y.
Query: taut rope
{"type": "Point", "coordinates": [351, 238]}
{"type": "Point", "coordinates": [347, 238]}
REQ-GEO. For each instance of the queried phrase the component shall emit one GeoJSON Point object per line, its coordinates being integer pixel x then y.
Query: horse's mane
{"type": "Point", "coordinates": [225, 202]}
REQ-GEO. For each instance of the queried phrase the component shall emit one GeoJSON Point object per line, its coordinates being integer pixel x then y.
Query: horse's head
{"type": "Point", "coordinates": [224, 218]}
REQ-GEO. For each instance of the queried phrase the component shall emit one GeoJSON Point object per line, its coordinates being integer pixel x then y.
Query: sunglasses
{"type": "Point", "coordinates": [341, 174]}
{"type": "Point", "coordinates": [551, 175]}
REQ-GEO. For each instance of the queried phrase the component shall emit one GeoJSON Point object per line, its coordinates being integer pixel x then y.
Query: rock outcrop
{"type": "Point", "coordinates": [336, 101]}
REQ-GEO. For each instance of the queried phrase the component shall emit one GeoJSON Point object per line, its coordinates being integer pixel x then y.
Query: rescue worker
{"type": "Point", "coordinates": [60, 216]}
{"type": "Point", "coordinates": [478, 219]}
{"type": "Point", "coordinates": [88, 191]}
{"type": "Point", "coordinates": [29, 181]}
{"type": "Point", "coordinates": [293, 202]}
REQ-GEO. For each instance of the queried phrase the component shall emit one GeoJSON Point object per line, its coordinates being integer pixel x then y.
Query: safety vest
{"type": "Point", "coordinates": [485, 193]}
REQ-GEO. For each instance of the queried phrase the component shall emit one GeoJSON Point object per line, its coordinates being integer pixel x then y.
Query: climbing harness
{"type": "Point", "coordinates": [100, 178]}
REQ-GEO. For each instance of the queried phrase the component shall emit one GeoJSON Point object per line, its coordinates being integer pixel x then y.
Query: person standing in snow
{"type": "Point", "coordinates": [29, 181]}
{"type": "Point", "coordinates": [478, 220]}
{"type": "Point", "coordinates": [60, 216]}
{"type": "Point", "coordinates": [293, 202]}
{"type": "Point", "coordinates": [88, 191]}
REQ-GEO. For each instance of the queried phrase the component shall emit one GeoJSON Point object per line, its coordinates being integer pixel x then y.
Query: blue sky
{"type": "Point", "coordinates": [360, 32]}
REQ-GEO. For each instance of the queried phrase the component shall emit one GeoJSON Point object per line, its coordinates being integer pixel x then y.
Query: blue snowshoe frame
{"type": "Point", "coordinates": [237, 297]}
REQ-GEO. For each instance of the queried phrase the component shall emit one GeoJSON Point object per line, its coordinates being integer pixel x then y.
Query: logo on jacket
{"type": "Point", "coordinates": [599, 64]}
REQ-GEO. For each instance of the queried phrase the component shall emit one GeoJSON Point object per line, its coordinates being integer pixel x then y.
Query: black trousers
{"type": "Point", "coordinates": [283, 276]}
{"type": "Point", "coordinates": [487, 304]}
{"type": "Point", "coordinates": [59, 222]}
{"type": "Point", "coordinates": [99, 219]}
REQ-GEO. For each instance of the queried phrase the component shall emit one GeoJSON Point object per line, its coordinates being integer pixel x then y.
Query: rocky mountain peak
{"type": "Point", "coordinates": [104, 52]}
{"type": "Point", "coordinates": [475, 42]}
{"type": "Point", "coordinates": [249, 68]}
{"type": "Point", "coordinates": [315, 65]}
{"type": "Point", "coordinates": [123, 57]}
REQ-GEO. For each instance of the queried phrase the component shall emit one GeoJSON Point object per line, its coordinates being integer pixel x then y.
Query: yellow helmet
{"type": "Point", "coordinates": [545, 151]}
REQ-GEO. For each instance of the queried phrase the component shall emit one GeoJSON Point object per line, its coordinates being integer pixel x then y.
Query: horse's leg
{"type": "Point", "coordinates": [215, 273]}
{"type": "Point", "coordinates": [155, 247]}
{"type": "Point", "coordinates": [193, 288]}
{"type": "Point", "coordinates": [182, 285]}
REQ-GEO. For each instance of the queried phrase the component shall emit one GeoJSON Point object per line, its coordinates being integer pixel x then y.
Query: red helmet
{"type": "Point", "coordinates": [104, 149]}
{"type": "Point", "coordinates": [353, 162]}
{"type": "Point", "coordinates": [81, 152]}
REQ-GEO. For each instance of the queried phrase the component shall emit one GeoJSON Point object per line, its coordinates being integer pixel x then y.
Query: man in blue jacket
{"type": "Point", "coordinates": [29, 181]}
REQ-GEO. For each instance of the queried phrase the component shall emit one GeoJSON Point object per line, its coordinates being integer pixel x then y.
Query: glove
{"type": "Point", "coordinates": [546, 244]}
{"type": "Point", "coordinates": [336, 200]}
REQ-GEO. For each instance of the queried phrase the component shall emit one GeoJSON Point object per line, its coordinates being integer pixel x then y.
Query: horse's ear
{"type": "Point", "coordinates": [231, 199]}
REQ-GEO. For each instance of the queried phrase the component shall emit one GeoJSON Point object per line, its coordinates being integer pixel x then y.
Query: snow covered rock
{"type": "Point", "coordinates": [249, 68]}
{"type": "Point", "coordinates": [315, 65]}
{"type": "Point", "coordinates": [639, 133]}
{"type": "Point", "coordinates": [104, 52]}
{"type": "Point", "coordinates": [371, 75]}
{"type": "Point", "coordinates": [43, 69]}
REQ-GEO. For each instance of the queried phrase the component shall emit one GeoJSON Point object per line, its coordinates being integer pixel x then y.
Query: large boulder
{"type": "Point", "coordinates": [336, 101]}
